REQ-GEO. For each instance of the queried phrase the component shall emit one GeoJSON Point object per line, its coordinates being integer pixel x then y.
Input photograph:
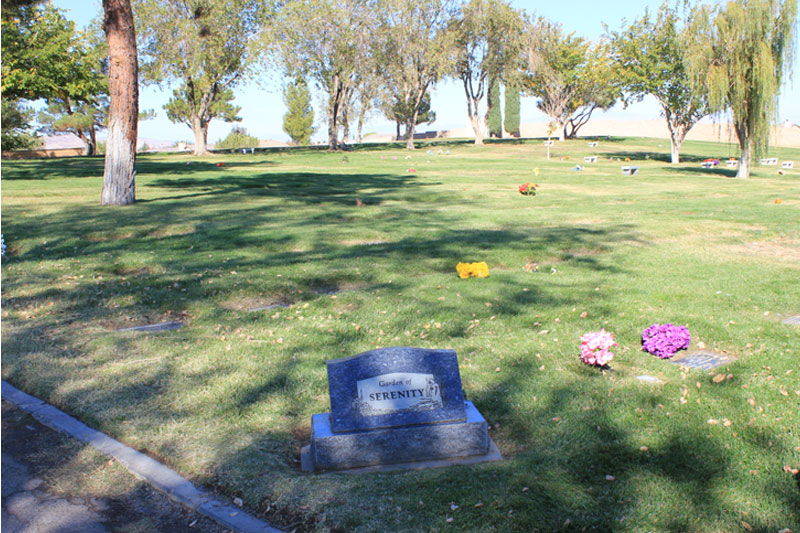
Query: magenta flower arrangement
{"type": "Point", "coordinates": [665, 340]}
{"type": "Point", "coordinates": [595, 348]}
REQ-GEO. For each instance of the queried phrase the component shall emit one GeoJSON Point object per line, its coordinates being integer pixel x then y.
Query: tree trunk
{"type": "Point", "coordinates": [92, 145]}
{"type": "Point", "coordinates": [333, 114]}
{"type": "Point", "coordinates": [123, 112]}
{"type": "Point", "coordinates": [200, 131]}
{"type": "Point", "coordinates": [410, 127]}
{"type": "Point", "coordinates": [745, 143]}
{"type": "Point", "coordinates": [676, 136]}
{"type": "Point", "coordinates": [478, 129]}
{"type": "Point", "coordinates": [745, 161]}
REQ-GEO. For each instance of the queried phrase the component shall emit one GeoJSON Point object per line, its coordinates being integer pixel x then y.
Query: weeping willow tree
{"type": "Point", "coordinates": [742, 53]}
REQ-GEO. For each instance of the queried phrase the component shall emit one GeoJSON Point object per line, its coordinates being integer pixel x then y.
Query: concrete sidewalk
{"type": "Point", "coordinates": [29, 504]}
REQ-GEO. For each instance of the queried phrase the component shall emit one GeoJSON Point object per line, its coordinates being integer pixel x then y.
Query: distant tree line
{"type": "Point", "coordinates": [386, 56]}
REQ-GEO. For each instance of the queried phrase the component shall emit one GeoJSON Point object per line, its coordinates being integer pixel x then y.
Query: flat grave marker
{"type": "Point", "coordinates": [549, 143]}
{"type": "Point", "coordinates": [163, 326]}
{"type": "Point", "coordinates": [593, 144]}
{"type": "Point", "coordinates": [590, 159]}
{"type": "Point", "coordinates": [732, 163]}
{"type": "Point", "coordinates": [703, 360]}
{"type": "Point", "coordinates": [630, 171]}
{"type": "Point", "coordinates": [788, 164]}
{"type": "Point", "coordinates": [792, 320]}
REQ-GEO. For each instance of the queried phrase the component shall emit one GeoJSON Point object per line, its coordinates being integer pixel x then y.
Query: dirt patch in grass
{"type": "Point", "coordinates": [784, 251]}
{"type": "Point", "coordinates": [172, 231]}
{"type": "Point", "coordinates": [246, 303]}
{"type": "Point", "coordinates": [105, 236]}
{"type": "Point", "coordinates": [363, 242]}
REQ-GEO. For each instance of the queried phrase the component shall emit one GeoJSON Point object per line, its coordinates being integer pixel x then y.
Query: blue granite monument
{"type": "Point", "coordinates": [397, 406]}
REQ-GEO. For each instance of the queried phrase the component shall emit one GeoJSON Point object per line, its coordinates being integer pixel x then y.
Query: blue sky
{"type": "Point", "coordinates": [262, 104]}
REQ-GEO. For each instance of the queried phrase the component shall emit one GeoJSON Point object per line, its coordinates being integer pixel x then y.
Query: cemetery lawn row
{"type": "Point", "coordinates": [344, 253]}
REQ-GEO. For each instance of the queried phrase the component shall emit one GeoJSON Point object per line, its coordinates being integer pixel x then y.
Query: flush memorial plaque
{"type": "Point", "coordinates": [396, 405]}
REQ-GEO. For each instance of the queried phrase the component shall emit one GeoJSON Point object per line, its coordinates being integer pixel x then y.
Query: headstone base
{"type": "Point", "coordinates": [410, 446]}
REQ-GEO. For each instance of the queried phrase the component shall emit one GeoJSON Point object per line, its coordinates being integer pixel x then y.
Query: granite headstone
{"type": "Point", "coordinates": [396, 405]}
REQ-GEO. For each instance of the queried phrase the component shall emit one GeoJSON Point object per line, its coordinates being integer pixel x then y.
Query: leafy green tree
{"type": "Point", "coordinates": [740, 54]}
{"type": "Point", "coordinates": [488, 42]}
{"type": "Point", "coordinates": [512, 118]}
{"type": "Point", "coordinates": [17, 133]}
{"type": "Point", "coordinates": [401, 112]}
{"type": "Point", "coordinates": [414, 53]}
{"type": "Point", "coordinates": [187, 108]}
{"type": "Point", "coordinates": [329, 42]}
{"type": "Point", "coordinates": [650, 58]}
{"type": "Point", "coordinates": [45, 57]}
{"type": "Point", "coordinates": [84, 120]}
{"type": "Point", "coordinates": [204, 46]}
{"type": "Point", "coordinates": [570, 77]}
{"type": "Point", "coordinates": [237, 138]}
{"type": "Point", "coordinates": [119, 186]}
{"type": "Point", "coordinates": [298, 122]}
{"type": "Point", "coordinates": [494, 115]}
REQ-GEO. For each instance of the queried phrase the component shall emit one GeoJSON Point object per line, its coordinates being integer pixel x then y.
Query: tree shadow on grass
{"type": "Point", "coordinates": [92, 167]}
{"type": "Point", "coordinates": [308, 187]}
{"type": "Point", "coordinates": [718, 172]}
{"type": "Point", "coordinates": [662, 157]}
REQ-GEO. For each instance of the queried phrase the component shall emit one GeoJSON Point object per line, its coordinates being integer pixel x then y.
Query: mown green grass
{"type": "Point", "coordinates": [228, 398]}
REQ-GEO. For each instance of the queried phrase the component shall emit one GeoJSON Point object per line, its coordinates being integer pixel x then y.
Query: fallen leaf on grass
{"type": "Point", "coordinates": [712, 421]}
{"type": "Point", "coordinates": [719, 378]}
{"type": "Point", "coordinates": [453, 507]}
{"type": "Point", "coordinates": [747, 526]}
{"type": "Point", "coordinates": [789, 470]}
{"type": "Point", "coordinates": [478, 505]}
{"type": "Point", "coordinates": [610, 478]}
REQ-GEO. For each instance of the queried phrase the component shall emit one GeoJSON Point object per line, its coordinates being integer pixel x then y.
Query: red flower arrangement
{"type": "Point", "coordinates": [528, 189]}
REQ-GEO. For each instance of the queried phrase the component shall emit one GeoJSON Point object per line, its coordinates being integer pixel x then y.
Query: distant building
{"type": "Point", "coordinates": [61, 145]}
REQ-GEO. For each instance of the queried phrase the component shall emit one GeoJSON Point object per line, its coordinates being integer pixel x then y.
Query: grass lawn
{"type": "Point", "coordinates": [356, 251]}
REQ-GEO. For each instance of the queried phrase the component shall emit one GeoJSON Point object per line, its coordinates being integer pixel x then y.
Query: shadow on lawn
{"type": "Point", "coordinates": [307, 187]}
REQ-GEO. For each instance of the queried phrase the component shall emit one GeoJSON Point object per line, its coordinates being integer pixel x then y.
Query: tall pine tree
{"type": "Point", "coordinates": [511, 123]}
{"type": "Point", "coordinates": [299, 119]}
{"type": "Point", "coordinates": [493, 113]}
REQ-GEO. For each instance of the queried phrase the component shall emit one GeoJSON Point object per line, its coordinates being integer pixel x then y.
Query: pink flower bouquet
{"type": "Point", "coordinates": [595, 348]}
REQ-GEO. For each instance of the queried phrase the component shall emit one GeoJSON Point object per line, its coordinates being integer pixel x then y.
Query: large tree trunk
{"type": "Point", "coordinates": [335, 98]}
{"type": "Point", "coordinates": [745, 143]}
{"type": "Point", "coordinates": [123, 112]}
{"type": "Point", "coordinates": [477, 126]}
{"type": "Point", "coordinates": [676, 136]}
{"type": "Point", "coordinates": [410, 127]}
{"type": "Point", "coordinates": [200, 131]}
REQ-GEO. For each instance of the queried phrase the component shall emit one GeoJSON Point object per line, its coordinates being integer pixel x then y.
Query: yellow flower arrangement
{"type": "Point", "coordinates": [477, 270]}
